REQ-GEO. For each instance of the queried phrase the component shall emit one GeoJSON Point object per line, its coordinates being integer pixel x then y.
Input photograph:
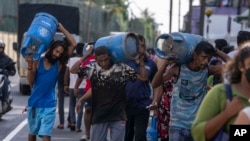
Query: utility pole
{"type": "Point", "coordinates": [239, 7]}
{"type": "Point", "coordinates": [170, 16]}
{"type": "Point", "coordinates": [202, 15]}
{"type": "Point", "coordinates": [208, 13]}
{"type": "Point", "coordinates": [179, 17]}
{"type": "Point", "coordinates": [248, 19]}
{"type": "Point", "coordinates": [189, 21]}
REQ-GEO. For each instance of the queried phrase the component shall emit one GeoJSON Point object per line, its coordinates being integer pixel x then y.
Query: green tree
{"type": "Point", "coordinates": [117, 9]}
{"type": "Point", "coordinates": [149, 25]}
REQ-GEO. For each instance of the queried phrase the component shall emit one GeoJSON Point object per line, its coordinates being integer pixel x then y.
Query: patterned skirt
{"type": "Point", "coordinates": [164, 111]}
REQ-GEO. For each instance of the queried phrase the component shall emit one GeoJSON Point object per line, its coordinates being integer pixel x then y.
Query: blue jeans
{"type": "Point", "coordinates": [180, 134]}
{"type": "Point", "coordinates": [60, 104]}
{"type": "Point", "coordinates": [72, 105]}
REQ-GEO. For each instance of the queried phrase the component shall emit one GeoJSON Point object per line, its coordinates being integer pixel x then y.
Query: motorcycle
{"type": "Point", "coordinates": [4, 73]}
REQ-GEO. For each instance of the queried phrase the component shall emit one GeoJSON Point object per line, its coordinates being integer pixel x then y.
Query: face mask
{"type": "Point", "coordinates": [248, 75]}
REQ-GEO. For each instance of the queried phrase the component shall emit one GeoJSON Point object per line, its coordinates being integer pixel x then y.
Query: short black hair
{"type": "Point", "coordinates": [140, 37]}
{"type": "Point", "coordinates": [79, 48]}
{"type": "Point", "coordinates": [101, 50]}
{"type": "Point", "coordinates": [206, 47]}
{"type": "Point", "coordinates": [243, 36]}
{"type": "Point", "coordinates": [220, 43]}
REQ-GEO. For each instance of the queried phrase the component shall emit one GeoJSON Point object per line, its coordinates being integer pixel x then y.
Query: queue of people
{"type": "Point", "coordinates": [188, 105]}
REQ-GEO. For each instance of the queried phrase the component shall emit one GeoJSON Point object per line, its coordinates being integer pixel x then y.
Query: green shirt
{"type": "Point", "coordinates": [213, 103]}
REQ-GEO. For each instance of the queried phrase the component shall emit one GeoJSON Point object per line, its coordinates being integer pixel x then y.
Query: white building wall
{"type": "Point", "coordinates": [218, 29]}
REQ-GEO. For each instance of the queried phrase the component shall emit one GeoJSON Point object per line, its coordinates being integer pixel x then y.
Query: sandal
{"type": "Point", "coordinates": [60, 126]}
{"type": "Point", "coordinates": [69, 125]}
{"type": "Point", "coordinates": [72, 127]}
{"type": "Point", "coordinates": [78, 130]}
{"type": "Point", "coordinates": [84, 138]}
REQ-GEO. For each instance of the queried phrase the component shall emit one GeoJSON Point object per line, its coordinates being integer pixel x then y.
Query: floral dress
{"type": "Point", "coordinates": [164, 110]}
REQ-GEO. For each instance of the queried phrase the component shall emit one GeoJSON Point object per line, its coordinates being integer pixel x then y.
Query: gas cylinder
{"type": "Point", "coordinates": [39, 35]}
{"type": "Point", "coordinates": [176, 45]}
{"type": "Point", "coordinates": [122, 47]}
{"type": "Point", "coordinates": [152, 134]}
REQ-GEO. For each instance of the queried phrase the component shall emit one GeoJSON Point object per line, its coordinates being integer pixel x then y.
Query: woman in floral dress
{"type": "Point", "coordinates": [163, 115]}
{"type": "Point", "coordinates": [163, 111]}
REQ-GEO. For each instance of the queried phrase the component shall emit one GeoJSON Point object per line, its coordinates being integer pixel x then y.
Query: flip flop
{"type": "Point", "coordinates": [60, 127]}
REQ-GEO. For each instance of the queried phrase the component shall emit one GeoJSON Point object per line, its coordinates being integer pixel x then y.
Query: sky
{"type": "Point", "coordinates": [161, 10]}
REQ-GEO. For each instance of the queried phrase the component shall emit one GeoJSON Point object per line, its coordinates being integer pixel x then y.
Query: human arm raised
{"type": "Point", "coordinates": [222, 55]}
{"type": "Point", "coordinates": [69, 37]}
{"type": "Point", "coordinates": [217, 69]}
{"type": "Point", "coordinates": [143, 73]}
{"type": "Point", "coordinates": [75, 68]}
{"type": "Point", "coordinates": [32, 68]}
{"type": "Point", "coordinates": [161, 76]}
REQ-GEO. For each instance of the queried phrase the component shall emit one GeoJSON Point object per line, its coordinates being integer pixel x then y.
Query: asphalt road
{"type": "Point", "coordinates": [14, 124]}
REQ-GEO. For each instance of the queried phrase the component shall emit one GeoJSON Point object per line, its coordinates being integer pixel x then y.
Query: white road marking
{"type": "Point", "coordinates": [13, 85]}
{"type": "Point", "coordinates": [15, 131]}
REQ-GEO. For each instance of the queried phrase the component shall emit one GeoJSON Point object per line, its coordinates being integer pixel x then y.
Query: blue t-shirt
{"type": "Point", "coordinates": [138, 92]}
{"type": "Point", "coordinates": [188, 92]}
{"type": "Point", "coordinates": [43, 92]}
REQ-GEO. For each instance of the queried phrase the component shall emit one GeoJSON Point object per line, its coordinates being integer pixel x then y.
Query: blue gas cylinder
{"type": "Point", "coordinates": [152, 134]}
{"type": "Point", "coordinates": [177, 45]}
{"type": "Point", "coordinates": [87, 46]}
{"type": "Point", "coordinates": [39, 35]}
{"type": "Point", "coordinates": [122, 47]}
